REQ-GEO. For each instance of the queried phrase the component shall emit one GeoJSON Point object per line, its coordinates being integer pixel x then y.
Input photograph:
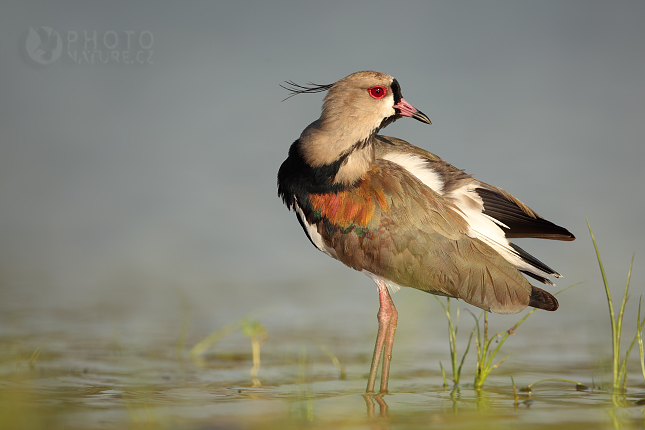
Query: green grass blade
{"type": "Point", "coordinates": [578, 385]}
{"type": "Point", "coordinates": [463, 357]}
{"type": "Point", "coordinates": [622, 372]}
{"type": "Point", "coordinates": [452, 338]}
{"type": "Point", "coordinates": [639, 335]}
{"type": "Point", "coordinates": [334, 360]}
{"type": "Point", "coordinates": [615, 336]}
{"type": "Point", "coordinates": [205, 344]}
{"type": "Point", "coordinates": [443, 375]}
{"type": "Point", "coordinates": [500, 362]}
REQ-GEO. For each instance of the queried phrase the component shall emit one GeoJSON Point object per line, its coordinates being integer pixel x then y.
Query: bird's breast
{"type": "Point", "coordinates": [353, 207]}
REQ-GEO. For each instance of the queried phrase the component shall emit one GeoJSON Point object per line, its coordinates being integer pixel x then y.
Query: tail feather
{"type": "Point", "coordinates": [542, 300]}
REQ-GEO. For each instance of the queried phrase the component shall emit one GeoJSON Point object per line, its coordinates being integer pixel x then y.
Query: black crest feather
{"type": "Point", "coordinates": [308, 88]}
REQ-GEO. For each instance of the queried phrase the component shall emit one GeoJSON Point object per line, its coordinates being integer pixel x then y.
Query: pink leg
{"type": "Point", "coordinates": [387, 319]}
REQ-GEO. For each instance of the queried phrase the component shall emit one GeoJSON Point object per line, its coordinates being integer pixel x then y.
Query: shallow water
{"type": "Point", "coordinates": [127, 367]}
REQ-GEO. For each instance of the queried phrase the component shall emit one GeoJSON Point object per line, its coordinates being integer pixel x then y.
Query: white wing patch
{"type": "Point", "coordinates": [481, 226]}
{"type": "Point", "coordinates": [418, 167]}
{"type": "Point", "coordinates": [486, 228]}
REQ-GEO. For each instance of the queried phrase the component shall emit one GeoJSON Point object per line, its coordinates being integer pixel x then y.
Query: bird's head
{"type": "Point", "coordinates": [369, 101]}
{"type": "Point", "coordinates": [354, 110]}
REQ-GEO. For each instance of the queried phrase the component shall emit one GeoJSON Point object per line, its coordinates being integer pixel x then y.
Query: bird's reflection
{"type": "Point", "coordinates": [370, 399]}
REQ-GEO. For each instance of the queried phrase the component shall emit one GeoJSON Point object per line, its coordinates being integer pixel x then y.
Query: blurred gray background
{"type": "Point", "coordinates": [140, 143]}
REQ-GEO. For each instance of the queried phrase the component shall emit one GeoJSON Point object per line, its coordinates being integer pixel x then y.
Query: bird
{"type": "Point", "coordinates": [403, 216]}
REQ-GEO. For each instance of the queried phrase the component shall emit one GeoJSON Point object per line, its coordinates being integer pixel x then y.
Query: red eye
{"type": "Point", "coordinates": [377, 92]}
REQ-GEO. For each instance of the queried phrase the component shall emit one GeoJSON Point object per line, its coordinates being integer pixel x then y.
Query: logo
{"type": "Point", "coordinates": [43, 45]}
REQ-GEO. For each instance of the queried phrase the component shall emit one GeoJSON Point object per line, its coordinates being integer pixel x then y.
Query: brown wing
{"type": "Point", "coordinates": [521, 220]}
{"type": "Point", "coordinates": [416, 238]}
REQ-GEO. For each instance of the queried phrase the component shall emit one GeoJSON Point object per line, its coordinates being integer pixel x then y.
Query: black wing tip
{"type": "Point", "coordinates": [542, 279]}
{"type": "Point", "coordinates": [559, 233]}
{"type": "Point", "coordinates": [542, 300]}
{"type": "Point", "coordinates": [562, 234]}
{"type": "Point", "coordinates": [518, 222]}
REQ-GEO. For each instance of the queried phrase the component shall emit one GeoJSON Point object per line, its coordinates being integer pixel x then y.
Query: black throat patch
{"type": "Point", "coordinates": [396, 91]}
{"type": "Point", "coordinates": [298, 178]}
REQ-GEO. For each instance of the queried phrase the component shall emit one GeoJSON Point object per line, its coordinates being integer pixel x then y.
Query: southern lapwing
{"type": "Point", "coordinates": [403, 216]}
